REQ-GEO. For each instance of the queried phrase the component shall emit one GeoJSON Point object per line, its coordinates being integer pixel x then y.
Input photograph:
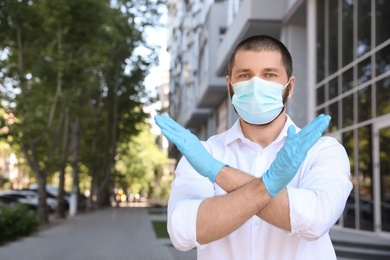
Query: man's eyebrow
{"type": "Point", "coordinates": [271, 69]}
{"type": "Point", "coordinates": [242, 70]}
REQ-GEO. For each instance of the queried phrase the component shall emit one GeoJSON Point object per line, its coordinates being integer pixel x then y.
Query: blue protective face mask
{"type": "Point", "coordinates": [258, 101]}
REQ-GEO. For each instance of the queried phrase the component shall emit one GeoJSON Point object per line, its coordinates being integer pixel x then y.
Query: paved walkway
{"type": "Point", "coordinates": [118, 233]}
{"type": "Point", "coordinates": [112, 233]}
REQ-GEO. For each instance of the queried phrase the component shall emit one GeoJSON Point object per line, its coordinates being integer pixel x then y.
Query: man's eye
{"type": "Point", "coordinates": [270, 75]}
{"type": "Point", "coordinates": [244, 76]}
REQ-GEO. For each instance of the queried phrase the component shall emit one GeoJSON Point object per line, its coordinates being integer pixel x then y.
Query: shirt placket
{"type": "Point", "coordinates": [260, 164]}
{"type": "Point", "coordinates": [255, 243]}
{"type": "Point", "coordinates": [258, 169]}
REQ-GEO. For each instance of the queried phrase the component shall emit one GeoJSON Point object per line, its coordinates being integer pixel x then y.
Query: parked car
{"type": "Point", "coordinates": [14, 199]}
{"type": "Point", "coordinates": [50, 200]}
{"type": "Point", "coordinates": [53, 191]}
{"type": "Point", "coordinates": [30, 198]}
{"type": "Point", "coordinates": [6, 201]}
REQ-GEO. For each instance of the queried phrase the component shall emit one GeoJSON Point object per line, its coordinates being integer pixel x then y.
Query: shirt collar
{"type": "Point", "coordinates": [235, 132]}
{"type": "Point", "coordinates": [283, 133]}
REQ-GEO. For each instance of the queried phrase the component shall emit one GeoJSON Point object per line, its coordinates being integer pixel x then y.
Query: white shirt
{"type": "Point", "coordinates": [317, 197]}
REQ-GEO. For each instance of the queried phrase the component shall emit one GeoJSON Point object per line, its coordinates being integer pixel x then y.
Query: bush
{"type": "Point", "coordinates": [16, 221]}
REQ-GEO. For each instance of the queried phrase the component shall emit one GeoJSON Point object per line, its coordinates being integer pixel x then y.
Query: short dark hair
{"type": "Point", "coordinates": [263, 43]}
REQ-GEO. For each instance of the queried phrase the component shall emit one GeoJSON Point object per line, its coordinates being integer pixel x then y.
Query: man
{"type": "Point", "coordinates": [262, 189]}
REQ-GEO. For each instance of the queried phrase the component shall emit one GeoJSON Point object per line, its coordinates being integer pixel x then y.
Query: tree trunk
{"type": "Point", "coordinates": [29, 154]}
{"type": "Point", "coordinates": [104, 189]}
{"type": "Point", "coordinates": [61, 210]}
{"type": "Point", "coordinates": [94, 174]}
{"type": "Point", "coordinates": [42, 205]}
{"type": "Point", "coordinates": [75, 149]}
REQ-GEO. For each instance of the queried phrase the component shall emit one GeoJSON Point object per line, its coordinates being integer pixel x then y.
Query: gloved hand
{"type": "Point", "coordinates": [291, 155]}
{"type": "Point", "coordinates": [190, 146]}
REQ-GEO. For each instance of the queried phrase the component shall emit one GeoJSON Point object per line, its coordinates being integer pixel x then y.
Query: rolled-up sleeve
{"type": "Point", "coordinates": [323, 187]}
{"type": "Point", "coordinates": [188, 190]}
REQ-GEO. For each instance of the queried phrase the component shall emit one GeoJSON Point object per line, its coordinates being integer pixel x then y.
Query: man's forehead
{"type": "Point", "coordinates": [247, 69]}
{"type": "Point", "coordinates": [271, 60]}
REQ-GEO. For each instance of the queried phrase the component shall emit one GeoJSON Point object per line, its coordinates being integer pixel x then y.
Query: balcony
{"type": "Point", "coordinates": [253, 17]}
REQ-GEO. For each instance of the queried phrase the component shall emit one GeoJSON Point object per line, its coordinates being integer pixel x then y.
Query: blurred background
{"type": "Point", "coordinates": [81, 81]}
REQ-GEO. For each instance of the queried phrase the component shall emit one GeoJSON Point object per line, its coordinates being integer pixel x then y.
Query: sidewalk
{"type": "Point", "coordinates": [127, 233]}
{"type": "Point", "coordinates": [112, 233]}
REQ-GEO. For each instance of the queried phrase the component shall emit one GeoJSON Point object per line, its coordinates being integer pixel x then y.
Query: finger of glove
{"type": "Point", "coordinates": [291, 130]}
{"type": "Point", "coordinates": [291, 138]}
{"type": "Point", "coordinates": [175, 138]}
{"type": "Point", "coordinates": [309, 142]}
{"type": "Point", "coordinates": [300, 144]}
{"type": "Point", "coordinates": [172, 130]}
{"type": "Point", "coordinates": [315, 135]}
{"type": "Point", "coordinates": [164, 121]}
{"type": "Point", "coordinates": [319, 125]}
{"type": "Point", "coordinates": [324, 124]}
{"type": "Point", "coordinates": [165, 129]}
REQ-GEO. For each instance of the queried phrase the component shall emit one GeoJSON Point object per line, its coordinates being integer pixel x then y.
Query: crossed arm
{"type": "Point", "coordinates": [246, 195]}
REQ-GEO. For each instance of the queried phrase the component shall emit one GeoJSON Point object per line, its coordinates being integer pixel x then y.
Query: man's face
{"type": "Point", "coordinates": [263, 64]}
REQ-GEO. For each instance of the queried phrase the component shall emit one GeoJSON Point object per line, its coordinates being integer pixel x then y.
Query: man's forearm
{"type": "Point", "coordinates": [219, 216]}
{"type": "Point", "coordinates": [276, 212]}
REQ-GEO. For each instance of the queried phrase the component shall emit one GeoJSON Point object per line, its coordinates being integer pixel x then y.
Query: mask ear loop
{"type": "Point", "coordinates": [288, 82]}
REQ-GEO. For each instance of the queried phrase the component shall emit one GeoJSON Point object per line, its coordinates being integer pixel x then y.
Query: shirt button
{"type": "Point", "coordinates": [257, 222]}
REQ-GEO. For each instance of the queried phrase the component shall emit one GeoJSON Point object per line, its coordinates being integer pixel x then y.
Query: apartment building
{"type": "Point", "coordinates": [341, 55]}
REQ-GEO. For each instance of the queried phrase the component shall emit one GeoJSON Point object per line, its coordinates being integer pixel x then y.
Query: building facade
{"type": "Point", "coordinates": [341, 56]}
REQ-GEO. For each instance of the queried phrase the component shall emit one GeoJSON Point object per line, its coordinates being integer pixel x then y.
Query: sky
{"type": "Point", "coordinates": [153, 80]}
{"type": "Point", "coordinates": [158, 35]}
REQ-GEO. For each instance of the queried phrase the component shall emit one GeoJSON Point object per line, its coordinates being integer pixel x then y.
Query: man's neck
{"type": "Point", "coordinates": [264, 135]}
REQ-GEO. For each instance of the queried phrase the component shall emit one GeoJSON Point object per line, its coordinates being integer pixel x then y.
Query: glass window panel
{"type": "Point", "coordinates": [333, 37]}
{"type": "Point", "coordinates": [364, 71]}
{"type": "Point", "coordinates": [333, 112]}
{"type": "Point", "coordinates": [320, 40]}
{"type": "Point", "coordinates": [364, 27]}
{"type": "Point", "coordinates": [366, 206]}
{"type": "Point", "coordinates": [321, 111]}
{"type": "Point", "coordinates": [347, 104]}
{"type": "Point", "coordinates": [383, 60]}
{"type": "Point", "coordinates": [333, 88]}
{"type": "Point", "coordinates": [349, 211]}
{"type": "Point", "coordinates": [383, 97]}
{"type": "Point", "coordinates": [347, 79]}
{"type": "Point", "coordinates": [320, 95]}
{"type": "Point", "coordinates": [382, 13]}
{"type": "Point", "coordinates": [384, 151]}
{"type": "Point", "coordinates": [364, 104]}
{"type": "Point", "coordinates": [347, 33]}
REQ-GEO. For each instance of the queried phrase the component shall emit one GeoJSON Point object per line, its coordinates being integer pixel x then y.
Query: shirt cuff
{"type": "Point", "coordinates": [182, 225]}
{"type": "Point", "coordinates": [301, 214]}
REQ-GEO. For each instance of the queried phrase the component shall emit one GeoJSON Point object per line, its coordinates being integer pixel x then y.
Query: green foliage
{"type": "Point", "coordinates": [75, 58]}
{"type": "Point", "coordinates": [16, 221]}
{"type": "Point", "coordinates": [160, 229]}
{"type": "Point", "coordinates": [141, 161]}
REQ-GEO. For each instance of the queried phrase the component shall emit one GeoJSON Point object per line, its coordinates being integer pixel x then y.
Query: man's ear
{"type": "Point", "coordinates": [228, 84]}
{"type": "Point", "coordinates": [291, 87]}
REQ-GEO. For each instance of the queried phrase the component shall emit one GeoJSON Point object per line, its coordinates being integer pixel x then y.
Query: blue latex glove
{"type": "Point", "coordinates": [190, 146]}
{"type": "Point", "coordinates": [291, 155]}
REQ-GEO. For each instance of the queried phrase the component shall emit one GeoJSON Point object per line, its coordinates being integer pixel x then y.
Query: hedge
{"type": "Point", "coordinates": [16, 221]}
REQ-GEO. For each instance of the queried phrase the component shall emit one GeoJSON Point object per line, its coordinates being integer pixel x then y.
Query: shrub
{"type": "Point", "coordinates": [16, 221]}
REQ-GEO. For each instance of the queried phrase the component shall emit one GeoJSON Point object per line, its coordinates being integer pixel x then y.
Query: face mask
{"type": "Point", "coordinates": [258, 101]}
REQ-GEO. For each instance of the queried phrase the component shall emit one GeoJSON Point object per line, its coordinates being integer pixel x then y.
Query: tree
{"type": "Point", "coordinates": [72, 79]}
{"type": "Point", "coordinates": [141, 162]}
